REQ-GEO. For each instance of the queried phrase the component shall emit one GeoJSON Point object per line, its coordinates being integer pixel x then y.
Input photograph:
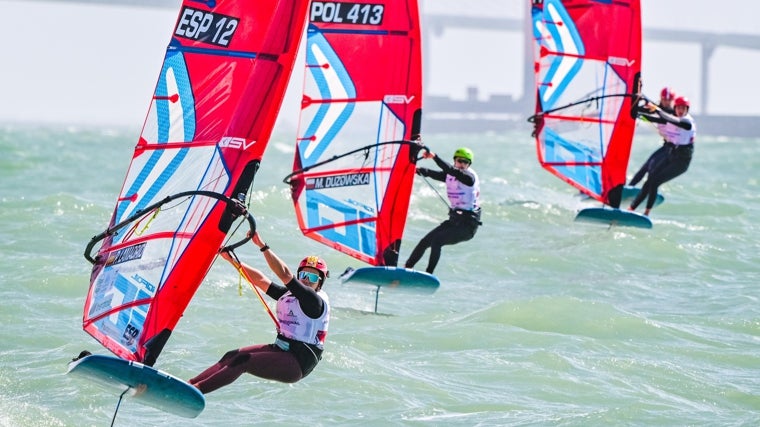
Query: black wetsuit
{"type": "Point", "coordinates": [660, 154]}
{"type": "Point", "coordinates": [461, 225]}
{"type": "Point", "coordinates": [671, 162]}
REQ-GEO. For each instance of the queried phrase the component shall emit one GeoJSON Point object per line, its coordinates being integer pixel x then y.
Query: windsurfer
{"type": "Point", "coordinates": [303, 314]}
{"type": "Point", "coordinates": [679, 131]}
{"type": "Point", "coordinates": [463, 189]}
{"type": "Point", "coordinates": [666, 104]}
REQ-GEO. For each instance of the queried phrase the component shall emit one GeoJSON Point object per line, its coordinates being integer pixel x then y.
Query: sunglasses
{"type": "Point", "coordinates": [461, 160]}
{"type": "Point", "coordinates": [311, 277]}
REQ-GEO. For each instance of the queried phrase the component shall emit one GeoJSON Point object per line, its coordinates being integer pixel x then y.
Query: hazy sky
{"type": "Point", "coordinates": [83, 63]}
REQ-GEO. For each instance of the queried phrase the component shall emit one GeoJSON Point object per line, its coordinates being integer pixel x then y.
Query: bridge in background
{"type": "Point", "coordinates": [502, 112]}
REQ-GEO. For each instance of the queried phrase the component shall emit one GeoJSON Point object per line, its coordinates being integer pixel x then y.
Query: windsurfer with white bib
{"type": "Point", "coordinates": [303, 315]}
{"type": "Point", "coordinates": [463, 190]}
{"type": "Point", "coordinates": [679, 131]}
{"type": "Point", "coordinates": [667, 96]}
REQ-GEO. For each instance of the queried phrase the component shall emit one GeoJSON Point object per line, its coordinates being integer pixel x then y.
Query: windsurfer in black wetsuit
{"type": "Point", "coordinates": [303, 314]}
{"type": "Point", "coordinates": [666, 104]}
{"type": "Point", "coordinates": [463, 189]}
{"type": "Point", "coordinates": [679, 131]}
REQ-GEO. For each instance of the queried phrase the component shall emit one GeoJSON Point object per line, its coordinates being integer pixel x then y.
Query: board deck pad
{"type": "Point", "coordinates": [148, 385]}
{"type": "Point", "coordinates": [392, 277]}
{"type": "Point", "coordinates": [614, 217]}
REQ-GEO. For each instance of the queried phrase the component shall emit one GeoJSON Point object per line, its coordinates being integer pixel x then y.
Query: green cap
{"type": "Point", "coordinates": [464, 153]}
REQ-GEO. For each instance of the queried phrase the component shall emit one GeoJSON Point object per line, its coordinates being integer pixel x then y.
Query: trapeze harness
{"type": "Point", "coordinates": [300, 334]}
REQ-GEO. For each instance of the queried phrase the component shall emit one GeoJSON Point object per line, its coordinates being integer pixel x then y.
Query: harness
{"type": "Point", "coordinates": [307, 355]}
{"type": "Point", "coordinates": [462, 215]}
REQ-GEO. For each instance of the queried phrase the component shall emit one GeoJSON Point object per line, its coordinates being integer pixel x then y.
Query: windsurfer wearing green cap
{"type": "Point", "coordinates": [463, 190]}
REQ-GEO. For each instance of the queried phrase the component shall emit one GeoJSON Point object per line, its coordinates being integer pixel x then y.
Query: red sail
{"type": "Point", "coordinates": [217, 96]}
{"type": "Point", "coordinates": [587, 67]}
{"type": "Point", "coordinates": [354, 163]}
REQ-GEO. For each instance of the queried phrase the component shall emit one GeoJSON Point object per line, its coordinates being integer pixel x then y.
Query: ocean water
{"type": "Point", "coordinates": [539, 321]}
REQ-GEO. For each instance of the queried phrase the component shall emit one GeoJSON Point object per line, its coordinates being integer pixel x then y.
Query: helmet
{"type": "Point", "coordinates": [682, 100]}
{"type": "Point", "coordinates": [315, 262]}
{"type": "Point", "coordinates": [667, 93]}
{"type": "Point", "coordinates": [464, 153]}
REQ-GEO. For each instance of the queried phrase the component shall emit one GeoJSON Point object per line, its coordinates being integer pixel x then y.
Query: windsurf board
{"type": "Point", "coordinates": [146, 385]}
{"type": "Point", "coordinates": [614, 217]}
{"type": "Point", "coordinates": [392, 277]}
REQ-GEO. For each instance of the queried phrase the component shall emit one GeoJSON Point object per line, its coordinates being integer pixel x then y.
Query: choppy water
{"type": "Point", "coordinates": [539, 320]}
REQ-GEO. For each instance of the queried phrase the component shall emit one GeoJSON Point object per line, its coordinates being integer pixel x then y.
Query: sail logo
{"type": "Point", "coordinates": [346, 13]}
{"type": "Point", "coordinates": [206, 27]}
{"type": "Point", "coordinates": [348, 180]}
{"type": "Point", "coordinates": [129, 335]}
{"type": "Point", "coordinates": [139, 279]}
{"type": "Point", "coordinates": [398, 99]}
{"type": "Point", "coordinates": [126, 254]}
{"type": "Point", "coordinates": [616, 60]}
{"type": "Point", "coordinates": [235, 142]}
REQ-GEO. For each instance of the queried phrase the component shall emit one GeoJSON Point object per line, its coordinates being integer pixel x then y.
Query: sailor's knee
{"type": "Point", "coordinates": [240, 359]}
{"type": "Point", "coordinates": [234, 358]}
{"type": "Point", "coordinates": [229, 355]}
{"type": "Point", "coordinates": [427, 241]}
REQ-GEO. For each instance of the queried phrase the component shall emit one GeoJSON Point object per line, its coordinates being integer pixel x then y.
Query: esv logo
{"type": "Point", "coordinates": [616, 60]}
{"type": "Point", "coordinates": [235, 142]}
{"type": "Point", "coordinates": [397, 99]}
